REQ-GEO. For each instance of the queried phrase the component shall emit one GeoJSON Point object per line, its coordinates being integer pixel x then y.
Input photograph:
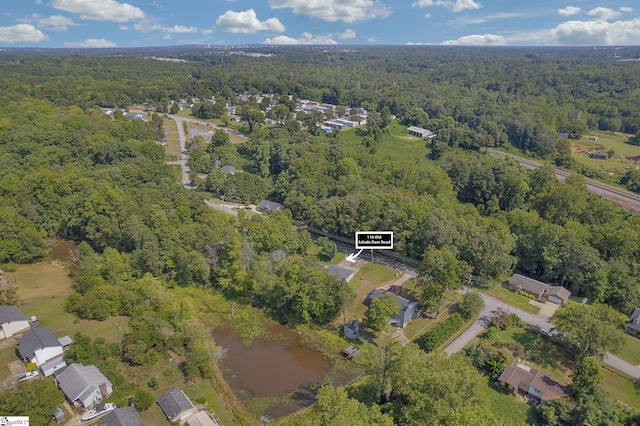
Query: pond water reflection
{"type": "Point", "coordinates": [271, 368]}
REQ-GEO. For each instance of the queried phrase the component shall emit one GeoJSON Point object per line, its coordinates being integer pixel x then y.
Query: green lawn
{"type": "Point", "coordinates": [631, 350]}
{"type": "Point", "coordinates": [605, 142]}
{"type": "Point", "coordinates": [509, 297]}
{"type": "Point", "coordinates": [42, 290]}
{"type": "Point", "coordinates": [508, 409]}
{"type": "Point", "coordinates": [620, 387]}
{"type": "Point", "coordinates": [7, 355]}
{"type": "Point", "coordinates": [396, 144]}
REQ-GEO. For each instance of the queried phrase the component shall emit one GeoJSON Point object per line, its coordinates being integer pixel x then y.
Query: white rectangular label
{"type": "Point", "coordinates": [378, 240]}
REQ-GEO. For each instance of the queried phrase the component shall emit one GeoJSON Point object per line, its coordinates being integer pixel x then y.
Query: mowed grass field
{"type": "Point", "coordinates": [605, 142]}
{"type": "Point", "coordinates": [396, 144]}
{"type": "Point", "coordinates": [42, 291]}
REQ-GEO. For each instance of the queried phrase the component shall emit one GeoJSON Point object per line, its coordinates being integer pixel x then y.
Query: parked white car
{"type": "Point", "coordinates": [30, 375]}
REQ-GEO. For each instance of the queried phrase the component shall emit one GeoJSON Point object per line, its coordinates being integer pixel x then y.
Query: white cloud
{"type": "Point", "coordinates": [21, 33]}
{"type": "Point", "coordinates": [626, 9]}
{"type": "Point", "coordinates": [596, 33]}
{"type": "Point", "coordinates": [372, 40]}
{"type": "Point", "coordinates": [456, 6]}
{"type": "Point", "coordinates": [427, 15]}
{"type": "Point", "coordinates": [475, 20]}
{"type": "Point", "coordinates": [100, 10]}
{"type": "Point", "coordinates": [305, 38]}
{"type": "Point", "coordinates": [146, 27]}
{"type": "Point", "coordinates": [347, 34]}
{"type": "Point", "coordinates": [246, 22]}
{"type": "Point", "coordinates": [477, 40]}
{"type": "Point", "coordinates": [92, 42]}
{"type": "Point", "coordinates": [604, 13]}
{"type": "Point", "coordinates": [53, 22]}
{"type": "Point", "coordinates": [569, 11]}
{"type": "Point", "coordinates": [336, 10]}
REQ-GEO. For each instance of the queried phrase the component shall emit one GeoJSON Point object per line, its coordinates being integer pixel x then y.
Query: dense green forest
{"type": "Point", "coordinates": [72, 172]}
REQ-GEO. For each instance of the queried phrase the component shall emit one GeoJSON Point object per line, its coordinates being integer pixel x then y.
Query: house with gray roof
{"type": "Point", "coordinates": [39, 345]}
{"type": "Point", "coordinates": [266, 206]}
{"type": "Point", "coordinates": [12, 321]}
{"type": "Point", "coordinates": [543, 292]}
{"type": "Point", "coordinates": [175, 405]}
{"type": "Point", "coordinates": [127, 416]}
{"type": "Point", "coordinates": [633, 326]}
{"type": "Point", "coordinates": [407, 310]}
{"type": "Point", "coordinates": [83, 386]}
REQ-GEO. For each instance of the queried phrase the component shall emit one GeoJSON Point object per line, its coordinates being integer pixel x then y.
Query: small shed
{"type": "Point", "coordinates": [341, 273]}
{"type": "Point", "coordinates": [58, 415]}
{"type": "Point", "coordinates": [50, 367]}
{"type": "Point", "coordinates": [351, 352]}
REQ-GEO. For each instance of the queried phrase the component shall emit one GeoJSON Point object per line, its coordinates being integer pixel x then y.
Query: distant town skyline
{"type": "Point", "coordinates": [139, 23]}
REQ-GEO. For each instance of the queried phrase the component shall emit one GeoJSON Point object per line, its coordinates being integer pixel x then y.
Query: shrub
{"type": "Point", "coordinates": [439, 334]}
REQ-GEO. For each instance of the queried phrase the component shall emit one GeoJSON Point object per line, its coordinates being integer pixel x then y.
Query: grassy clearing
{"type": "Point", "coordinates": [605, 142]}
{"type": "Point", "coordinates": [112, 329]}
{"type": "Point", "coordinates": [42, 291]}
{"type": "Point", "coordinates": [509, 297]}
{"type": "Point", "coordinates": [396, 144]}
{"type": "Point", "coordinates": [620, 387]}
{"type": "Point", "coordinates": [7, 355]}
{"type": "Point", "coordinates": [631, 350]}
{"type": "Point", "coordinates": [510, 410]}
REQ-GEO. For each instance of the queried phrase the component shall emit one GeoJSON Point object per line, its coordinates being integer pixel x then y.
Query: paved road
{"type": "Point", "coordinates": [184, 157]}
{"type": "Point", "coordinates": [536, 320]}
{"type": "Point", "coordinates": [626, 199]}
{"type": "Point", "coordinates": [225, 208]}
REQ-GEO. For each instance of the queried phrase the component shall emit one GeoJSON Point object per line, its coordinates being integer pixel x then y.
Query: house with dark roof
{"type": "Point", "coordinates": [39, 345]}
{"type": "Point", "coordinates": [543, 292]}
{"type": "Point", "coordinates": [266, 206]}
{"type": "Point", "coordinates": [530, 382]}
{"type": "Point", "coordinates": [12, 321]}
{"type": "Point", "coordinates": [341, 273]}
{"type": "Point", "coordinates": [83, 386]}
{"type": "Point", "coordinates": [175, 405]}
{"type": "Point", "coordinates": [407, 310]}
{"type": "Point", "coordinates": [127, 416]}
{"type": "Point", "coordinates": [633, 326]}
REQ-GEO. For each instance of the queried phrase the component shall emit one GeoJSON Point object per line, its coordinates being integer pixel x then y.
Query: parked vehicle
{"type": "Point", "coordinates": [30, 375]}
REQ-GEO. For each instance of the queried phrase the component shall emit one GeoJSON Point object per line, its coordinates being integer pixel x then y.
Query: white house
{"type": "Point", "coordinates": [83, 385]}
{"type": "Point", "coordinates": [12, 321]}
{"type": "Point", "coordinates": [39, 345]}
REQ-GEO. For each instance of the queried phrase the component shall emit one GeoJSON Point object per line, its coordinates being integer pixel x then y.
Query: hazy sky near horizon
{"type": "Point", "coordinates": [138, 23]}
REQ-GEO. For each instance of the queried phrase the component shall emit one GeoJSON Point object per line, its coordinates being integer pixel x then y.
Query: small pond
{"type": "Point", "coordinates": [271, 368]}
{"type": "Point", "coordinates": [64, 250]}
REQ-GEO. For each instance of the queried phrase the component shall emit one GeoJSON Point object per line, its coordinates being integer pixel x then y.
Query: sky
{"type": "Point", "coordinates": [139, 23]}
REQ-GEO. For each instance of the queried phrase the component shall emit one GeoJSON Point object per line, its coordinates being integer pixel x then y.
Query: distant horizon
{"type": "Point", "coordinates": [150, 23]}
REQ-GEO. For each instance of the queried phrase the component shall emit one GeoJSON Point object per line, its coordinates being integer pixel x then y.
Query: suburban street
{"type": "Point", "coordinates": [622, 197]}
{"type": "Point", "coordinates": [537, 320]}
{"type": "Point", "coordinates": [184, 157]}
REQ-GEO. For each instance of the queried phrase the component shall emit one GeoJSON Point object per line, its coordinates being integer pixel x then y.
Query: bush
{"type": "Point", "coordinates": [143, 399]}
{"type": "Point", "coordinates": [439, 334]}
{"type": "Point", "coordinates": [470, 306]}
